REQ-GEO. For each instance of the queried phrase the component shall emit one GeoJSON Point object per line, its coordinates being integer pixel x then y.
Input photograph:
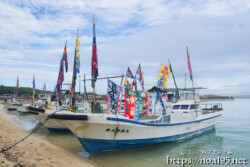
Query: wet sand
{"type": "Point", "coordinates": [33, 151]}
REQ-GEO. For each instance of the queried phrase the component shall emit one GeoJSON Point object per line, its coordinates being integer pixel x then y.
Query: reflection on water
{"type": "Point", "coordinates": [155, 155]}
{"type": "Point", "coordinates": [232, 132]}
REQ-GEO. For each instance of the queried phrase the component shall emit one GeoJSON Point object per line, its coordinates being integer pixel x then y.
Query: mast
{"type": "Point", "coordinates": [93, 91]}
{"type": "Point", "coordinates": [80, 85]}
{"type": "Point", "coordinates": [85, 90]}
{"type": "Point", "coordinates": [171, 70]}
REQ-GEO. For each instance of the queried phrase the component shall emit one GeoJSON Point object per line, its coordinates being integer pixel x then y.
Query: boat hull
{"type": "Point", "coordinates": [111, 133]}
{"type": "Point", "coordinates": [51, 124]}
{"type": "Point", "coordinates": [98, 145]}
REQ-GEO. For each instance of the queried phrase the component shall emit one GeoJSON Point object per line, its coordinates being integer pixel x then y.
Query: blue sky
{"type": "Point", "coordinates": [217, 32]}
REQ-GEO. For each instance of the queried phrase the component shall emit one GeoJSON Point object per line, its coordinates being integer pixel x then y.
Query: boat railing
{"type": "Point", "coordinates": [215, 106]}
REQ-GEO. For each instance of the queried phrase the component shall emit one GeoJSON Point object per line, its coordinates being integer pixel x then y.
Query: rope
{"type": "Point", "coordinates": [3, 150]}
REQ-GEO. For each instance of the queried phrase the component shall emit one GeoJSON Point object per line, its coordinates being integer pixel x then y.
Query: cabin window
{"type": "Point", "coordinates": [184, 107]}
{"type": "Point", "coordinates": [176, 107]}
{"type": "Point", "coordinates": [192, 107]}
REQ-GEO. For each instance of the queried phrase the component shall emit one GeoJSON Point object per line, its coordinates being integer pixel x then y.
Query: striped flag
{"type": "Point", "coordinates": [65, 58]}
{"type": "Point", "coordinates": [94, 62]}
{"type": "Point", "coordinates": [74, 76]}
{"type": "Point", "coordinates": [142, 80]}
{"type": "Point", "coordinates": [189, 66]}
{"type": "Point", "coordinates": [129, 73]}
{"type": "Point", "coordinates": [77, 54]}
{"type": "Point", "coordinates": [34, 86]}
{"type": "Point", "coordinates": [138, 73]}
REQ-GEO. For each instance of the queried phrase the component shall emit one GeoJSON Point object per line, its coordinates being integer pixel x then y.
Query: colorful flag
{"type": "Point", "coordinates": [108, 105]}
{"type": "Point", "coordinates": [163, 77]}
{"type": "Point", "coordinates": [65, 58]}
{"type": "Point", "coordinates": [60, 79]}
{"type": "Point", "coordinates": [127, 84]}
{"type": "Point", "coordinates": [44, 88]}
{"type": "Point", "coordinates": [17, 88]}
{"type": "Point", "coordinates": [132, 104]}
{"type": "Point", "coordinates": [164, 98]}
{"type": "Point", "coordinates": [34, 87]}
{"type": "Point", "coordinates": [120, 99]}
{"type": "Point", "coordinates": [138, 73]}
{"type": "Point", "coordinates": [61, 73]}
{"type": "Point", "coordinates": [147, 105]}
{"type": "Point", "coordinates": [142, 80]}
{"type": "Point", "coordinates": [151, 102]}
{"type": "Point", "coordinates": [113, 93]}
{"type": "Point", "coordinates": [129, 73]}
{"type": "Point", "coordinates": [189, 66]}
{"type": "Point", "coordinates": [74, 76]}
{"type": "Point", "coordinates": [135, 84]}
{"type": "Point", "coordinates": [162, 104]}
{"type": "Point", "coordinates": [94, 62]}
{"type": "Point", "coordinates": [77, 54]}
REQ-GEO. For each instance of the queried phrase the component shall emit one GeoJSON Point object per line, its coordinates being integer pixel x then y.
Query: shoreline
{"type": "Point", "coordinates": [33, 151]}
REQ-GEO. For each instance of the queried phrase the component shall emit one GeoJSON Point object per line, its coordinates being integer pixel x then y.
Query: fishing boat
{"type": "Point", "coordinates": [105, 132]}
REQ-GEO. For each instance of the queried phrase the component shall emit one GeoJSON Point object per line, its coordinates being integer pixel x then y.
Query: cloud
{"type": "Point", "coordinates": [33, 36]}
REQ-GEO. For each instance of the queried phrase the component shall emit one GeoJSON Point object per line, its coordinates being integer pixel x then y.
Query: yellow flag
{"type": "Point", "coordinates": [163, 77]}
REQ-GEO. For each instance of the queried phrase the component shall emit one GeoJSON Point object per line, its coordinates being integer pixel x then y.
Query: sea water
{"type": "Point", "coordinates": [229, 139]}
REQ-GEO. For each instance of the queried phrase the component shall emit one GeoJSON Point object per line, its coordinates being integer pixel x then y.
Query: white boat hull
{"type": "Point", "coordinates": [50, 124]}
{"type": "Point", "coordinates": [105, 132]}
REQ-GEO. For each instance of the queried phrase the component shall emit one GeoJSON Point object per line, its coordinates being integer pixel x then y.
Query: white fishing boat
{"type": "Point", "coordinates": [52, 124]}
{"type": "Point", "coordinates": [105, 132]}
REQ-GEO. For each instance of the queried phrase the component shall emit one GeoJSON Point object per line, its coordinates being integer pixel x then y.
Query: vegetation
{"type": "Point", "coordinates": [21, 90]}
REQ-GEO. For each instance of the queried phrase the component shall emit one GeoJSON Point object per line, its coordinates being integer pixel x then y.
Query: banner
{"type": "Point", "coordinates": [120, 99]}
{"type": "Point", "coordinates": [132, 104]}
{"type": "Point", "coordinates": [127, 84]}
{"type": "Point", "coordinates": [147, 105]}
{"type": "Point", "coordinates": [108, 105]}
{"type": "Point", "coordinates": [162, 104]}
{"type": "Point", "coordinates": [65, 58]}
{"type": "Point", "coordinates": [151, 102]}
{"type": "Point", "coordinates": [163, 77]}
{"type": "Point", "coordinates": [113, 93]}
{"type": "Point", "coordinates": [94, 62]}
{"type": "Point", "coordinates": [77, 55]}
{"type": "Point", "coordinates": [189, 66]}
{"type": "Point", "coordinates": [129, 73]}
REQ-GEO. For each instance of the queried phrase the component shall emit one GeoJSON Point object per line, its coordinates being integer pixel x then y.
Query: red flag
{"type": "Point", "coordinates": [94, 62]}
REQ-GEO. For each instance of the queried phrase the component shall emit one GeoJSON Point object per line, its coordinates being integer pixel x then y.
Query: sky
{"type": "Point", "coordinates": [217, 32]}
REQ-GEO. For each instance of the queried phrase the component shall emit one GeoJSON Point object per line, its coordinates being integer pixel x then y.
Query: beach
{"type": "Point", "coordinates": [33, 151]}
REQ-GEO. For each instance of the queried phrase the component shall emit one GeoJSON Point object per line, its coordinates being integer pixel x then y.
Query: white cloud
{"type": "Point", "coordinates": [130, 32]}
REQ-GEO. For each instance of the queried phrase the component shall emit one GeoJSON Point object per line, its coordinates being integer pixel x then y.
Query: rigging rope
{"type": "Point", "coordinates": [3, 149]}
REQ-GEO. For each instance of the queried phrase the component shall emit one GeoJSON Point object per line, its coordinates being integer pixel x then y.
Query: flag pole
{"type": "Point", "coordinates": [93, 90]}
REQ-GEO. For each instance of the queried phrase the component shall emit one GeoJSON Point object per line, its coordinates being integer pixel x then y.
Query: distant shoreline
{"type": "Point", "coordinates": [217, 98]}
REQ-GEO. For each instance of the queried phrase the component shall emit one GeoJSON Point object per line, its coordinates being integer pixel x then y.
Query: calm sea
{"type": "Point", "coordinates": [230, 138]}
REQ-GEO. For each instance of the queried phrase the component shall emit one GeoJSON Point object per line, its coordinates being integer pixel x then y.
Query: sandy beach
{"type": "Point", "coordinates": [33, 151]}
